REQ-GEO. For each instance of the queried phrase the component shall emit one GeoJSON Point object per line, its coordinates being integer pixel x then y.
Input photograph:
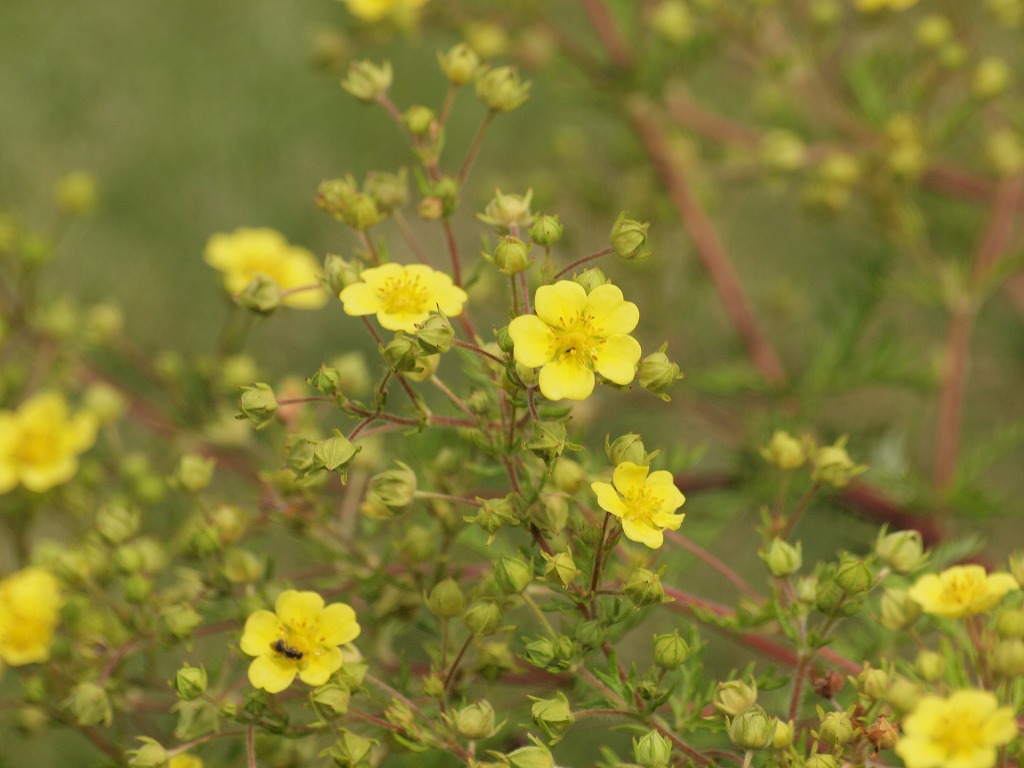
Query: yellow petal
{"type": "Point", "coordinates": [559, 303]}
{"type": "Point", "coordinates": [42, 478]}
{"type": "Point", "coordinates": [360, 299]}
{"type": "Point", "coordinates": [566, 378]}
{"type": "Point", "coordinates": [322, 664]}
{"type": "Point", "coordinates": [643, 534]}
{"type": "Point", "coordinates": [662, 485]}
{"type": "Point", "coordinates": [616, 359]}
{"type": "Point", "coordinates": [261, 629]}
{"type": "Point", "coordinates": [533, 340]}
{"type": "Point", "coordinates": [272, 673]}
{"type": "Point", "coordinates": [608, 499]}
{"type": "Point", "coordinates": [630, 479]}
{"type": "Point", "coordinates": [450, 298]}
{"type": "Point", "coordinates": [612, 316]}
{"type": "Point", "coordinates": [298, 609]}
{"type": "Point", "coordinates": [1001, 727]}
{"type": "Point", "coordinates": [401, 321]}
{"type": "Point", "coordinates": [666, 520]}
{"type": "Point", "coordinates": [338, 624]}
{"type": "Point", "coordinates": [920, 752]}
{"type": "Point", "coordinates": [375, 277]}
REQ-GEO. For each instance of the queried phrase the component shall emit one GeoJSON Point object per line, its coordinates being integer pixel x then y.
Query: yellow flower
{"type": "Point", "coordinates": [29, 602]}
{"type": "Point", "coordinates": [961, 590]}
{"type": "Point", "coordinates": [575, 334]}
{"type": "Point", "coordinates": [963, 731]}
{"type": "Point", "coordinates": [402, 296]}
{"type": "Point", "coordinates": [246, 253]}
{"type": "Point", "coordinates": [41, 441]}
{"type": "Point", "coordinates": [644, 503]}
{"type": "Point", "coordinates": [185, 761]}
{"type": "Point", "coordinates": [300, 638]}
{"type": "Point", "coordinates": [375, 10]}
{"type": "Point", "coordinates": [872, 6]}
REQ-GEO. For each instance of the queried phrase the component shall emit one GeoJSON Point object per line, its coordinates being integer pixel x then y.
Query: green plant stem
{"type": "Point", "coordinates": [800, 506]}
{"type": "Point", "coordinates": [478, 350]}
{"type": "Point", "coordinates": [475, 147]}
{"type": "Point", "coordinates": [538, 613]}
{"type": "Point", "coordinates": [410, 239]}
{"type": "Point", "coordinates": [583, 260]}
{"type": "Point", "coordinates": [250, 746]}
{"type": "Point", "coordinates": [456, 400]}
{"type": "Point", "coordinates": [455, 664]}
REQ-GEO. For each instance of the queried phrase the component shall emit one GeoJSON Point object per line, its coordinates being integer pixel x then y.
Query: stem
{"type": "Point", "coordinates": [407, 235]}
{"type": "Point", "coordinates": [478, 350]}
{"type": "Point", "coordinates": [596, 575]}
{"type": "Point", "coordinates": [445, 497]}
{"type": "Point", "coordinates": [583, 260]}
{"type": "Point", "coordinates": [475, 147]}
{"type": "Point", "coordinates": [791, 523]}
{"type": "Point", "coordinates": [455, 664]}
{"type": "Point", "coordinates": [453, 253]}
{"type": "Point", "coordinates": [452, 396]}
{"type": "Point", "coordinates": [607, 31]}
{"type": "Point", "coordinates": [798, 684]}
{"type": "Point", "coordinates": [539, 614]}
{"type": "Point", "coordinates": [250, 747]}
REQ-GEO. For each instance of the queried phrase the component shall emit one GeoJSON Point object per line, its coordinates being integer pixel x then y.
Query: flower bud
{"type": "Point", "coordinates": [150, 755]}
{"type": "Point", "coordinates": [332, 699]}
{"type": "Point", "coordinates": [934, 30]}
{"type": "Point", "coordinates": [500, 89]}
{"type": "Point", "coordinates": [445, 600]}
{"type": "Point", "coordinates": [785, 451]}
{"type": "Point", "coordinates": [389, 190]}
{"type": "Point", "coordinates": [396, 488]}
{"type": "Point", "coordinates": [882, 734]}
{"type": "Point", "coordinates": [783, 738]}
{"type": "Point", "coordinates": [75, 193]}
{"type": "Point", "coordinates": [872, 683]}
{"type": "Point", "coordinates": [656, 373]}
{"type": "Point", "coordinates": [475, 721]}
{"type": "Point", "coordinates": [190, 682]}
{"type": "Point", "coordinates": [530, 757]}
{"type": "Point", "coordinates": [821, 761]}
{"type": "Point", "coordinates": [326, 381]}
{"type": "Point", "coordinates": [899, 611]}
{"type": "Point", "coordinates": [904, 695]}
{"type": "Point", "coordinates": [628, 447]}
{"type": "Point", "coordinates": [734, 696]}
{"type": "Point", "coordinates": [550, 513]}
{"type": "Point", "coordinates": [560, 568]}
{"type": "Point", "coordinates": [401, 353]}
{"type": "Point", "coordinates": [1010, 622]}
{"type": "Point", "coordinates": [103, 322]}
{"type": "Point", "coordinates": [334, 453]}
{"type": "Point", "coordinates": [1008, 658]}
{"type": "Point", "coordinates": [350, 750]}
{"type": "Point", "coordinates": [363, 213]}
{"type": "Point", "coordinates": [419, 120]}
{"type": "Point", "coordinates": [242, 566]}
{"type": "Point", "coordinates": [591, 279]}
{"type": "Point", "coordinates": [339, 273]}
{"type": "Point", "coordinates": [590, 633]}
{"type": "Point", "coordinates": [459, 64]}
{"type": "Point", "coordinates": [672, 21]}
{"type": "Point", "coordinates": [513, 574]}
{"type": "Point", "coordinates": [435, 333]}
{"type": "Point", "coordinates": [853, 574]}
{"type": "Point", "coordinates": [194, 472]}
{"type": "Point", "coordinates": [644, 588]}
{"type": "Point", "coordinates": [430, 208]}
{"type": "Point", "coordinates": [196, 718]}
{"type": "Point", "coordinates": [1005, 152]}
{"type": "Point", "coordinates": [507, 211]}
{"type": "Point", "coordinates": [483, 617]}
{"type": "Point", "coordinates": [104, 402]}
{"type": "Point", "coordinates": [118, 522]}
{"type": "Point", "coordinates": [258, 404]}
{"type": "Point", "coordinates": [752, 729]}
{"type": "Point", "coordinates": [837, 728]}
{"type": "Point", "coordinates": [782, 558]}
{"type": "Point", "coordinates": [495, 514]}
{"type": "Point", "coordinates": [368, 81]}
{"type": "Point", "coordinates": [553, 716]}
{"type": "Point", "coordinates": [181, 620]}
{"type": "Point", "coordinates": [446, 191]}
{"type": "Point", "coordinates": [546, 230]}
{"type": "Point", "coordinates": [902, 551]}
{"type": "Point", "coordinates": [334, 196]}
{"type": "Point", "coordinates": [670, 651]}
{"type": "Point", "coordinates": [261, 295]}
{"type": "Point", "coordinates": [37, 250]}
{"type": "Point", "coordinates": [783, 151]}
{"type": "Point", "coordinates": [547, 440]}
{"type": "Point", "coordinates": [629, 238]}
{"type": "Point", "coordinates": [832, 465]}
{"type": "Point", "coordinates": [90, 705]}
{"type": "Point", "coordinates": [930, 665]}
{"type": "Point", "coordinates": [652, 750]}
{"type": "Point", "coordinates": [512, 256]}
{"type": "Point", "coordinates": [991, 77]}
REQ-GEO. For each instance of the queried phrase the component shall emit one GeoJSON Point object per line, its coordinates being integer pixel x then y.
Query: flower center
{"type": "Point", "coordinates": [577, 340]}
{"type": "Point", "coordinates": [298, 643]}
{"type": "Point", "coordinates": [641, 506]}
{"type": "Point", "coordinates": [958, 732]}
{"type": "Point", "coordinates": [961, 589]}
{"type": "Point", "coordinates": [36, 445]}
{"type": "Point", "coordinates": [404, 295]}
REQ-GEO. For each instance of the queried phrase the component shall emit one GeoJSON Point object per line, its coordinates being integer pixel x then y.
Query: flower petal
{"type": "Point", "coordinates": [566, 378]}
{"type": "Point", "coordinates": [338, 624]}
{"type": "Point", "coordinates": [533, 340]}
{"type": "Point", "coordinates": [298, 610]}
{"type": "Point", "coordinates": [617, 357]}
{"type": "Point", "coordinates": [643, 534]}
{"type": "Point", "coordinates": [272, 673]}
{"type": "Point", "coordinates": [667, 520]}
{"type": "Point", "coordinates": [401, 321]}
{"type": "Point", "coordinates": [612, 316]}
{"type": "Point", "coordinates": [375, 277]}
{"type": "Point", "coordinates": [449, 298]}
{"type": "Point", "coordinates": [608, 499]}
{"type": "Point", "coordinates": [557, 304]}
{"type": "Point", "coordinates": [630, 479]}
{"type": "Point", "coordinates": [261, 629]}
{"type": "Point", "coordinates": [360, 299]}
{"type": "Point", "coordinates": [322, 664]}
{"type": "Point", "coordinates": [662, 485]}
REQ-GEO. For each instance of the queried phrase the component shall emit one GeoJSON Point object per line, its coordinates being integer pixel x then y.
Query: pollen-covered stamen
{"type": "Point", "coordinates": [577, 339]}
{"type": "Point", "coordinates": [404, 295]}
{"type": "Point", "coordinates": [642, 505]}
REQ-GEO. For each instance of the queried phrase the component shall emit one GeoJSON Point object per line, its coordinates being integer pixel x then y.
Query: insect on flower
{"type": "Point", "coordinates": [280, 646]}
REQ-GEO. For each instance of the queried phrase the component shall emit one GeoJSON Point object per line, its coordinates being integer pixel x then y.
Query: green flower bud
{"type": "Point", "coordinates": [785, 451]}
{"type": "Point", "coordinates": [435, 333]}
{"type": "Point", "coordinates": [567, 475]}
{"type": "Point", "coordinates": [1005, 152]}
{"type": "Point", "coordinates": [952, 55]}
{"type": "Point", "coordinates": [326, 381]}
{"type": "Point", "coordinates": [629, 238]}
{"type": "Point", "coordinates": [368, 81]}
{"type": "Point", "coordinates": [389, 190]}
{"type": "Point", "coordinates": [560, 568]}
{"type": "Point", "coordinates": [782, 558]}
{"type": "Point", "coordinates": [656, 373]}
{"type": "Point", "coordinates": [550, 514]}
{"type": "Point", "coordinates": [150, 755]}
{"type": "Point", "coordinates": [430, 208]}
{"type": "Point", "coordinates": [902, 551]}
{"type": "Point", "coordinates": [1010, 623]}
{"type": "Point", "coordinates": [493, 660]}
{"type": "Point", "coordinates": [90, 705]}
{"type": "Point", "coordinates": [783, 151]}
{"type": "Point", "coordinates": [495, 514]}
{"type": "Point", "coordinates": [396, 488]}
{"type": "Point", "coordinates": [137, 588]}
{"type": "Point", "coordinates": [75, 193]}
{"type": "Point", "coordinates": [830, 597]}
{"type": "Point", "coordinates": [190, 682]}
{"type": "Point", "coordinates": [899, 611]}
{"type": "Point", "coordinates": [194, 472]}
{"type": "Point", "coordinates": [752, 729]}
{"type": "Point", "coordinates": [540, 652]}
{"type": "Point", "coordinates": [853, 574]}
{"type": "Point", "coordinates": [991, 77]}
{"type": "Point", "coordinates": [734, 696]}
{"type": "Point", "coordinates": [459, 64]}
{"type": "Point", "coordinates": [934, 30]}
{"type": "Point", "coordinates": [475, 721]}
{"type": "Point", "coordinates": [1008, 658]}
{"type": "Point", "coordinates": [930, 665]}
{"type": "Point", "coordinates": [652, 750]}
{"type": "Point", "coordinates": [883, 734]}
{"type": "Point", "coordinates": [103, 322]}
{"type": "Point", "coordinates": [500, 89]}
{"type": "Point", "coordinates": [258, 404]}
{"type": "Point", "coordinates": [821, 761]}
{"type": "Point", "coordinates": [530, 757]}
{"type": "Point", "coordinates": [643, 587]}
{"type": "Point", "coordinates": [513, 574]}
{"type": "Point", "coordinates": [262, 295]}
{"type": "Point", "coordinates": [334, 453]}
{"type": "Point", "coordinates": [446, 190]}
{"type": "Point", "coordinates": [512, 256]}
{"type": "Point", "coordinates": [672, 21]}
{"type": "Point", "coordinates": [507, 211]}
{"type": "Point", "coordinates": [553, 716]}
{"type": "Point", "coordinates": [332, 699]}
{"type": "Point", "coordinates": [144, 555]}
{"type": "Point", "coordinates": [832, 465]}
{"type": "Point", "coordinates": [445, 600]}
{"type": "Point", "coordinates": [339, 273]}
{"type": "Point", "coordinates": [628, 447]}
{"type": "Point", "coordinates": [419, 120]}
{"type": "Point", "coordinates": [547, 440]}
{"type": "Point", "coordinates": [417, 545]}
{"type": "Point", "coordinates": [103, 401]}
{"type": "Point", "coordinates": [195, 719]}
{"type": "Point", "coordinates": [670, 651]}
{"type": "Point", "coordinates": [546, 230]}
{"type": "Point", "coordinates": [401, 352]}
{"type": "Point", "coordinates": [837, 728]}
{"type": "Point", "coordinates": [591, 279]}
{"type": "Point", "coordinates": [590, 633]}
{"type": "Point", "coordinates": [483, 617]}
{"type": "Point", "coordinates": [118, 522]}
{"type": "Point", "coordinates": [873, 684]}
{"type": "Point", "coordinates": [350, 750]}
{"type": "Point", "coordinates": [363, 213]}
{"type": "Point", "coordinates": [182, 620]}
{"type": "Point", "coordinates": [783, 738]}
{"type": "Point", "coordinates": [334, 196]}
{"type": "Point", "coordinates": [37, 250]}
{"type": "Point", "coordinates": [904, 695]}
{"type": "Point", "coordinates": [242, 566]}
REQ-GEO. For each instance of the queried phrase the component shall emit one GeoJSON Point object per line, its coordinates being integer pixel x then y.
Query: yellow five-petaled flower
{"type": "Point", "coordinates": [29, 605]}
{"type": "Point", "coordinates": [645, 503]}
{"type": "Point", "coordinates": [375, 10]}
{"type": "Point", "coordinates": [961, 591]}
{"type": "Point", "coordinates": [41, 441]}
{"type": "Point", "coordinates": [300, 637]}
{"type": "Point", "coordinates": [962, 731]}
{"type": "Point", "coordinates": [575, 334]}
{"type": "Point", "coordinates": [246, 253]}
{"type": "Point", "coordinates": [402, 296]}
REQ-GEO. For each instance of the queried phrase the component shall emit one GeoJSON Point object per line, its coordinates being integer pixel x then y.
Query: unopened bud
{"type": "Point", "coordinates": [560, 568]}
{"type": "Point", "coordinates": [500, 89]}
{"type": "Point", "coordinates": [783, 151]}
{"type": "Point", "coordinates": [823, 760]}
{"type": "Point", "coordinates": [90, 705]}
{"type": "Point", "coordinates": [904, 695]}
{"type": "Point", "coordinates": [332, 699]}
{"type": "Point", "coordinates": [833, 465]}
{"type": "Point", "coordinates": [548, 440]}
{"type": "Point", "coordinates": [785, 451]}
{"type": "Point", "coordinates": [419, 119]}
{"type": "Point", "coordinates": [475, 721]}
{"type": "Point", "coordinates": [530, 757]}
{"type": "Point", "coordinates": [445, 600]}
{"type": "Point", "coordinates": [628, 447]}
{"type": "Point", "coordinates": [872, 683]}
{"type": "Point", "coordinates": [837, 728]}
{"type": "Point", "coordinates": [334, 453]}
{"type": "Point", "coordinates": [734, 696]}
{"type": "Point", "coordinates": [368, 81]}
{"type": "Point", "coordinates": [652, 750]}
{"type": "Point", "coordinates": [459, 64]}
{"type": "Point", "coordinates": [507, 211]}
{"type": "Point", "coordinates": [991, 77]}
{"type": "Point", "coordinates": [629, 238]}
{"type": "Point", "coordinates": [350, 750]}
{"type": "Point", "coordinates": [118, 522]}
{"type": "Point", "coordinates": [396, 487]}
{"type": "Point", "coordinates": [513, 574]}
{"type": "Point", "coordinates": [1010, 622]}
{"type": "Point", "coordinates": [190, 682]}
{"type": "Point", "coordinates": [261, 295]}
{"type": "Point", "coordinates": [670, 651]}
{"type": "Point", "coordinates": [435, 334]}
{"type": "Point", "coordinates": [483, 618]}
{"type": "Point", "coordinates": [782, 558]}
{"type": "Point", "coordinates": [339, 273]}
{"type": "Point", "coordinates": [75, 193]}
{"type": "Point", "coordinates": [590, 279]}
{"type": "Point", "coordinates": [899, 611]}
{"type": "Point", "coordinates": [853, 574]}
{"type": "Point", "coordinates": [546, 230]}
{"type": "Point", "coordinates": [512, 256]}
{"type": "Point", "coordinates": [389, 190]}
{"type": "Point", "coordinates": [150, 755]}
{"type": "Point", "coordinates": [656, 373]}
{"type": "Point", "coordinates": [258, 404]}
{"type": "Point", "coordinates": [553, 716]}
{"type": "Point", "coordinates": [752, 729]}
{"type": "Point", "coordinates": [495, 514]}
{"type": "Point", "coordinates": [934, 30]}
{"type": "Point", "coordinates": [783, 738]}
{"type": "Point", "coordinates": [1008, 658]}
{"type": "Point", "coordinates": [194, 472]}
{"type": "Point", "coordinates": [334, 196]}
{"type": "Point", "coordinates": [902, 551]}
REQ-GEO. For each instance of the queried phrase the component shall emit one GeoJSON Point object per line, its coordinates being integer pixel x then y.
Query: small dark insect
{"type": "Point", "coordinates": [286, 650]}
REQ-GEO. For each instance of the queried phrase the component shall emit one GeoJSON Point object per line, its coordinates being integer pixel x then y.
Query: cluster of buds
{"type": "Point", "coordinates": [362, 209]}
